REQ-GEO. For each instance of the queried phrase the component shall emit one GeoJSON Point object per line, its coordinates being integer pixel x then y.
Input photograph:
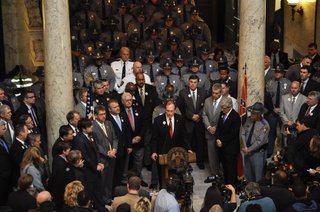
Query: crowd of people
{"type": "Point", "coordinates": [167, 89]}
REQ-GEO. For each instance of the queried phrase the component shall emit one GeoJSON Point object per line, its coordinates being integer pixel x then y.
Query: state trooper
{"type": "Point", "coordinates": [183, 10]}
{"type": "Point", "coordinates": [78, 70]}
{"type": "Point", "coordinates": [124, 17]}
{"type": "Point", "coordinates": [165, 8]}
{"type": "Point", "coordinates": [205, 34]}
{"type": "Point", "coordinates": [108, 54]}
{"type": "Point", "coordinates": [179, 68]}
{"type": "Point", "coordinates": [276, 87]}
{"type": "Point", "coordinates": [173, 48]}
{"type": "Point", "coordinates": [122, 67]}
{"type": "Point", "coordinates": [98, 70]}
{"type": "Point", "coordinates": [169, 29]}
{"type": "Point", "coordinates": [153, 41]}
{"type": "Point", "coordinates": [151, 67]}
{"type": "Point", "coordinates": [254, 135]}
{"type": "Point", "coordinates": [192, 44]}
{"type": "Point", "coordinates": [136, 52]}
{"type": "Point", "coordinates": [139, 24]}
{"type": "Point", "coordinates": [208, 65]}
{"type": "Point", "coordinates": [224, 76]}
{"type": "Point", "coordinates": [167, 77]}
{"type": "Point", "coordinates": [222, 62]}
{"type": "Point", "coordinates": [194, 70]}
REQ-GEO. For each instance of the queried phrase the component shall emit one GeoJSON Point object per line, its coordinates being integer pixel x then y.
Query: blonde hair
{"type": "Point", "coordinates": [143, 205]}
{"type": "Point", "coordinates": [31, 155]}
{"type": "Point", "coordinates": [71, 193]}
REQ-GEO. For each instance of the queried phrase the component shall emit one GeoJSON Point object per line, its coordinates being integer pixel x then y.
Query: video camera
{"type": "Point", "coordinates": [218, 181]}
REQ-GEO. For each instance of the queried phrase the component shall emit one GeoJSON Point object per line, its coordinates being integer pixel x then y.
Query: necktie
{"type": "Point", "coordinates": [119, 122]}
{"type": "Point", "coordinates": [123, 70]}
{"type": "Point", "coordinates": [302, 86]}
{"type": "Point", "coordinates": [225, 118]}
{"type": "Point", "coordinates": [11, 131]}
{"type": "Point", "coordinates": [179, 71]}
{"type": "Point", "coordinates": [194, 51]}
{"type": "Point", "coordinates": [194, 100]}
{"type": "Point", "coordinates": [170, 128]}
{"type": "Point", "coordinates": [103, 7]}
{"type": "Point", "coordinates": [112, 38]}
{"type": "Point", "coordinates": [185, 13]}
{"type": "Point", "coordinates": [131, 119]}
{"type": "Point", "coordinates": [214, 105]}
{"type": "Point", "coordinates": [34, 117]}
{"type": "Point", "coordinates": [154, 45]}
{"type": "Point", "coordinates": [142, 96]}
{"type": "Point", "coordinates": [99, 72]}
{"type": "Point", "coordinates": [277, 104]}
{"type": "Point", "coordinates": [274, 61]}
{"type": "Point", "coordinates": [308, 111]}
{"type": "Point", "coordinates": [293, 100]}
{"type": "Point", "coordinates": [4, 144]}
{"type": "Point", "coordinates": [168, 33]}
{"type": "Point", "coordinates": [103, 127]}
{"type": "Point", "coordinates": [151, 73]}
{"type": "Point", "coordinates": [204, 67]}
{"type": "Point", "coordinates": [168, 80]}
{"type": "Point", "coordinates": [141, 31]}
{"type": "Point", "coordinates": [248, 143]}
{"type": "Point", "coordinates": [123, 28]}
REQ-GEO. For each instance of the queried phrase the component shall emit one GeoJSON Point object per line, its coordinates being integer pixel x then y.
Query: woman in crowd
{"type": "Point", "coordinates": [71, 194]}
{"type": "Point", "coordinates": [32, 164]}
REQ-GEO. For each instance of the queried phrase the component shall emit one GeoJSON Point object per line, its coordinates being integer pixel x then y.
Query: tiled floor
{"type": "Point", "coordinates": [199, 188]}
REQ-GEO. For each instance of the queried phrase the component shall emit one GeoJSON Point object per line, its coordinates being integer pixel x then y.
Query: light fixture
{"type": "Point", "coordinates": [293, 4]}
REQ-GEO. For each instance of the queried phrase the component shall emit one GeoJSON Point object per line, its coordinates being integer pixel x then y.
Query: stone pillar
{"type": "Point", "coordinates": [58, 68]}
{"type": "Point", "coordinates": [252, 48]}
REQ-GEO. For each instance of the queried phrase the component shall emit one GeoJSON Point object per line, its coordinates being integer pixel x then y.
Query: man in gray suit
{"type": "Point", "coordinates": [210, 117]}
{"type": "Point", "coordinates": [107, 143]}
{"type": "Point", "coordinates": [268, 72]}
{"type": "Point", "coordinates": [81, 106]}
{"type": "Point", "coordinates": [5, 115]}
{"type": "Point", "coordinates": [289, 108]}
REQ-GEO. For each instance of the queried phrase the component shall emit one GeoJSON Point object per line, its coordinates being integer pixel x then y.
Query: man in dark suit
{"type": "Point", "coordinates": [147, 99]}
{"type": "Point", "coordinates": [121, 128]}
{"type": "Point", "coordinates": [17, 150]}
{"type": "Point", "coordinates": [277, 56]}
{"type": "Point", "coordinates": [311, 110]}
{"type": "Point", "coordinates": [3, 99]}
{"type": "Point", "coordinates": [134, 116]}
{"type": "Point", "coordinates": [107, 143]}
{"type": "Point", "coordinates": [192, 99]}
{"type": "Point", "coordinates": [307, 84]}
{"type": "Point", "coordinates": [73, 117]}
{"type": "Point", "coordinates": [224, 73]}
{"type": "Point", "coordinates": [5, 115]}
{"type": "Point", "coordinates": [313, 53]}
{"type": "Point", "coordinates": [65, 135]}
{"type": "Point", "coordinates": [228, 140]}
{"type": "Point", "coordinates": [92, 167]}
{"type": "Point", "coordinates": [28, 107]}
{"type": "Point", "coordinates": [5, 166]}
{"type": "Point", "coordinates": [168, 132]}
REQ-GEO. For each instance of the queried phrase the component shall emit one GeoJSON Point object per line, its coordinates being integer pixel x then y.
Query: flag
{"type": "Point", "coordinates": [242, 113]}
{"type": "Point", "coordinates": [89, 106]}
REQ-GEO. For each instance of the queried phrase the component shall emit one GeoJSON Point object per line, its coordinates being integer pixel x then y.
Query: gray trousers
{"type": "Point", "coordinates": [254, 166]}
{"type": "Point", "coordinates": [213, 157]}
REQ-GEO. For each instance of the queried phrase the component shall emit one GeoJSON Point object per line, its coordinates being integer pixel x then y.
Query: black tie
{"type": "Point", "coordinates": [194, 51]}
{"type": "Point", "coordinates": [141, 31]}
{"type": "Point", "coordinates": [184, 13]}
{"type": "Point", "coordinates": [278, 95]}
{"type": "Point", "coordinates": [151, 73]}
{"type": "Point", "coordinates": [99, 72]}
{"type": "Point", "coordinates": [168, 80]}
{"type": "Point", "coordinates": [204, 67]}
{"type": "Point", "coordinates": [112, 38]}
{"type": "Point", "coordinates": [154, 45]}
{"type": "Point", "coordinates": [179, 71]}
{"type": "Point", "coordinates": [123, 70]}
{"type": "Point", "coordinates": [274, 61]}
{"type": "Point", "coordinates": [168, 33]}
{"type": "Point", "coordinates": [123, 28]}
{"type": "Point", "coordinates": [103, 7]}
{"type": "Point", "coordinates": [248, 143]}
{"type": "Point", "coordinates": [134, 55]}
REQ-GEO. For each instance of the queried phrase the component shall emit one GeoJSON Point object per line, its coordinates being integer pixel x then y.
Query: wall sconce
{"type": "Point", "coordinates": [293, 4]}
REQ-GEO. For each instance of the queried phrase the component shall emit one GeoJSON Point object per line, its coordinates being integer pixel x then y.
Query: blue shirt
{"type": "Point", "coordinates": [166, 202]}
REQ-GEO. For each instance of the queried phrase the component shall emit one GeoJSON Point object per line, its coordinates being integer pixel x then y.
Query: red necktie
{"type": "Point", "coordinates": [131, 119]}
{"type": "Point", "coordinates": [170, 127]}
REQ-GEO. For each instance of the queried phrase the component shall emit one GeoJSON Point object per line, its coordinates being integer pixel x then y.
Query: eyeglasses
{"type": "Point", "coordinates": [30, 97]}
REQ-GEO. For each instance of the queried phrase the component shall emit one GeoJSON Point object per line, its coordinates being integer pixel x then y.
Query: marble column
{"type": "Point", "coordinates": [252, 48]}
{"type": "Point", "coordinates": [58, 68]}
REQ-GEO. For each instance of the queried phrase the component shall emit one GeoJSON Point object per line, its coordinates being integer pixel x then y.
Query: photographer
{"type": "Point", "coordinates": [253, 193]}
{"type": "Point", "coordinates": [298, 154]}
{"type": "Point", "coordinates": [214, 197]}
{"type": "Point", "coordinates": [166, 200]}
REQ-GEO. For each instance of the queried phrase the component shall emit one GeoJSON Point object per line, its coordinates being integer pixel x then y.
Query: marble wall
{"type": "Point", "coordinates": [300, 32]}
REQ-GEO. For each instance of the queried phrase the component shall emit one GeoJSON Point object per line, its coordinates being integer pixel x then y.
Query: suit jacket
{"type": "Point", "coordinates": [90, 155]}
{"type": "Point", "coordinates": [105, 142]}
{"type": "Point", "coordinates": [122, 135]}
{"type": "Point", "coordinates": [289, 111]}
{"type": "Point", "coordinates": [210, 117]}
{"type": "Point", "coordinates": [313, 118]}
{"type": "Point", "coordinates": [5, 163]}
{"type": "Point", "coordinates": [16, 153]}
{"type": "Point", "coordinates": [21, 201]}
{"type": "Point", "coordinates": [228, 132]}
{"type": "Point", "coordinates": [311, 85]}
{"type": "Point", "coordinates": [188, 108]}
{"type": "Point", "coordinates": [293, 73]}
{"type": "Point", "coordinates": [139, 128]}
{"type": "Point", "coordinates": [233, 87]}
{"type": "Point", "coordinates": [283, 58]}
{"type": "Point", "coordinates": [23, 109]}
{"type": "Point", "coordinates": [161, 140]}
{"type": "Point", "coordinates": [150, 102]}
{"type": "Point", "coordinates": [315, 59]}
{"type": "Point", "coordinates": [81, 109]}
{"type": "Point", "coordinates": [7, 135]}
{"type": "Point", "coordinates": [269, 75]}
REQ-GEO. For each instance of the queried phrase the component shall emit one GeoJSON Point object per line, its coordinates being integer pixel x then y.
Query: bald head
{"type": "Point", "coordinates": [137, 67]}
{"type": "Point", "coordinates": [43, 196]}
{"type": "Point", "coordinates": [267, 62]}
